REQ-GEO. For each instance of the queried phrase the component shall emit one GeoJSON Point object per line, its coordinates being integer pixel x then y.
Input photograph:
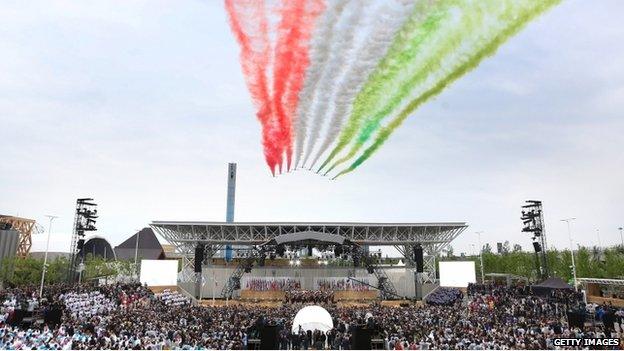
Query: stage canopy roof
{"type": "Point", "coordinates": [256, 233]}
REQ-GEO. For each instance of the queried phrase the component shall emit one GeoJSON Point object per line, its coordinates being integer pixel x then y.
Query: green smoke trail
{"type": "Point", "coordinates": [515, 23]}
{"type": "Point", "coordinates": [424, 20]}
{"type": "Point", "coordinates": [446, 42]}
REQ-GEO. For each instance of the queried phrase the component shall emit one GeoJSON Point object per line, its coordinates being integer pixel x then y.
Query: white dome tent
{"type": "Point", "coordinates": [312, 318]}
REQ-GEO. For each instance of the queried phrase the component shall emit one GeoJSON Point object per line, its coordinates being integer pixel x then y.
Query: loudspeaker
{"type": "Point", "coordinates": [199, 258]}
{"type": "Point", "coordinates": [576, 319]}
{"type": "Point", "coordinates": [280, 250]}
{"type": "Point", "coordinates": [338, 250]}
{"type": "Point", "coordinates": [361, 339]}
{"type": "Point", "coordinates": [16, 318]}
{"type": "Point", "coordinates": [269, 338]}
{"type": "Point", "coordinates": [537, 246]}
{"type": "Point", "coordinates": [53, 316]}
{"type": "Point", "coordinates": [418, 258]}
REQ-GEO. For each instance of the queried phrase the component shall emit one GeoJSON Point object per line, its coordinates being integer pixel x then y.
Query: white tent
{"type": "Point", "coordinates": [312, 318]}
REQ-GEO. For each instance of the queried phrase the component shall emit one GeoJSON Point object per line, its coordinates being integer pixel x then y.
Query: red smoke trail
{"type": "Point", "coordinates": [250, 26]}
{"type": "Point", "coordinates": [291, 60]}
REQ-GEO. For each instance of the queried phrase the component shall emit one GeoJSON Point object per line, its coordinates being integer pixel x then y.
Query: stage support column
{"type": "Point", "coordinates": [198, 285]}
{"type": "Point", "coordinates": [418, 293]}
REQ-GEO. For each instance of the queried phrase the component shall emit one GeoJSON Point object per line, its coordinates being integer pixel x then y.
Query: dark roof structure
{"type": "Point", "coordinates": [308, 236]}
{"type": "Point", "coordinates": [98, 247]}
{"type": "Point", "coordinates": [149, 246]}
{"type": "Point", "coordinates": [547, 286]}
{"type": "Point", "coordinates": [554, 283]}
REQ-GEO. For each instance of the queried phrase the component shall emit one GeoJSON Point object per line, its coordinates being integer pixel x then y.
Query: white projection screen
{"type": "Point", "coordinates": [457, 274]}
{"type": "Point", "coordinates": [159, 272]}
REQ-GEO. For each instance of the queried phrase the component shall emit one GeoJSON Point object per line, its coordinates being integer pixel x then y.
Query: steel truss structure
{"type": "Point", "coordinates": [616, 282]}
{"type": "Point", "coordinates": [359, 254]}
{"type": "Point", "coordinates": [433, 237]}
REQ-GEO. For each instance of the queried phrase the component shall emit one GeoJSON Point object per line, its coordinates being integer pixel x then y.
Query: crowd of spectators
{"type": "Point", "coordinates": [273, 284]}
{"type": "Point", "coordinates": [173, 298]}
{"type": "Point", "coordinates": [340, 285]}
{"type": "Point", "coordinates": [82, 305]}
{"type": "Point", "coordinates": [444, 297]}
{"type": "Point", "coordinates": [490, 318]}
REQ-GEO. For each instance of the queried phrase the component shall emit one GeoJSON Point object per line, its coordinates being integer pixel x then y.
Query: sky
{"type": "Point", "coordinates": [141, 105]}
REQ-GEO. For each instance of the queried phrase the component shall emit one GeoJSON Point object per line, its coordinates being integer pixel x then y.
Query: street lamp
{"type": "Point", "coordinates": [481, 257]}
{"type": "Point", "coordinates": [45, 256]}
{"type": "Point", "coordinates": [599, 242]}
{"type": "Point", "coordinates": [568, 220]}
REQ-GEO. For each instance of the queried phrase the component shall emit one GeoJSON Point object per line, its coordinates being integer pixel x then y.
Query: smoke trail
{"type": "Point", "coordinates": [430, 58]}
{"type": "Point", "coordinates": [319, 52]}
{"type": "Point", "coordinates": [371, 51]}
{"type": "Point", "coordinates": [514, 23]}
{"type": "Point", "coordinates": [423, 21]}
{"type": "Point", "coordinates": [299, 64]}
{"type": "Point", "coordinates": [249, 24]}
{"type": "Point", "coordinates": [288, 33]}
{"type": "Point", "coordinates": [341, 51]}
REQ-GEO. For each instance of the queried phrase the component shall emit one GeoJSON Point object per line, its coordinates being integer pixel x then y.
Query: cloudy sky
{"type": "Point", "coordinates": [141, 104]}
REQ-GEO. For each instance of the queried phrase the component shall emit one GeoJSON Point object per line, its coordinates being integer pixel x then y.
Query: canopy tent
{"type": "Point", "coordinates": [312, 318]}
{"type": "Point", "coordinates": [547, 286]}
{"type": "Point", "coordinates": [554, 283]}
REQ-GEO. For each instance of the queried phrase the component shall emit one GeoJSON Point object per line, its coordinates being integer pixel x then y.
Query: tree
{"type": "Point", "coordinates": [506, 248]}
{"type": "Point", "coordinates": [96, 267]}
{"type": "Point", "coordinates": [487, 248]}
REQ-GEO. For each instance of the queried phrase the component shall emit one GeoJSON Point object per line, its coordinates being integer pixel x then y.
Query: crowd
{"type": "Point", "coordinates": [340, 284]}
{"type": "Point", "coordinates": [82, 305]}
{"type": "Point", "coordinates": [490, 318]}
{"type": "Point", "coordinates": [444, 297]}
{"type": "Point", "coordinates": [272, 284]}
{"type": "Point", "coordinates": [305, 296]}
{"type": "Point", "coordinates": [173, 298]}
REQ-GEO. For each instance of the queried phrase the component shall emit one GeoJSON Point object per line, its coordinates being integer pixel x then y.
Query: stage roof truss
{"type": "Point", "coordinates": [435, 235]}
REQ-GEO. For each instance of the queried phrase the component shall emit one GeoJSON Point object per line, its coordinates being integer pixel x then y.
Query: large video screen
{"type": "Point", "coordinates": [457, 274]}
{"type": "Point", "coordinates": [159, 272]}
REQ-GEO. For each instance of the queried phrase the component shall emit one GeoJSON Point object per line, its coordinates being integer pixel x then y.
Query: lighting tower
{"type": "Point", "coordinates": [533, 221]}
{"type": "Point", "coordinates": [86, 213]}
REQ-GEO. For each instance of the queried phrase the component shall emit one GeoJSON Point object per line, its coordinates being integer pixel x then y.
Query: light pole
{"type": "Point", "coordinates": [568, 220]}
{"type": "Point", "coordinates": [481, 257]}
{"type": "Point", "coordinates": [45, 256]}
{"type": "Point", "coordinates": [621, 237]}
{"type": "Point", "coordinates": [136, 254]}
{"type": "Point", "coordinates": [599, 242]}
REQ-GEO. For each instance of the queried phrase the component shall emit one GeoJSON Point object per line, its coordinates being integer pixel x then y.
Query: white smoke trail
{"type": "Point", "coordinates": [374, 48]}
{"type": "Point", "coordinates": [319, 53]}
{"type": "Point", "coordinates": [341, 53]}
